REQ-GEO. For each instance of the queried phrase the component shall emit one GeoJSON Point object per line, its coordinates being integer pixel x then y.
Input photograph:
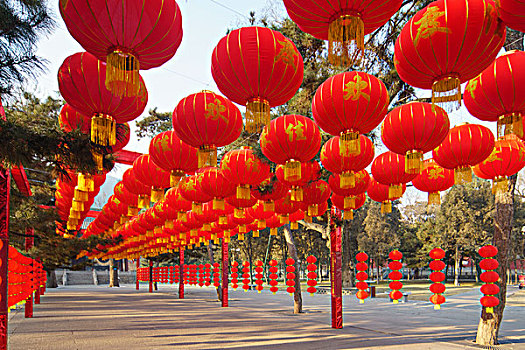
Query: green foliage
{"type": "Point", "coordinates": [154, 124]}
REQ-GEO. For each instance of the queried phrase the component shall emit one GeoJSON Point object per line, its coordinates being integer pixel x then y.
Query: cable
{"type": "Point", "coordinates": [229, 8]}
{"type": "Point", "coordinates": [186, 77]}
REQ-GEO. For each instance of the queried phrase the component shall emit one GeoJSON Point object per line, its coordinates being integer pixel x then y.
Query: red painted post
{"type": "Point", "coordinates": [5, 186]}
{"type": "Point", "coordinates": [38, 289]}
{"type": "Point", "coordinates": [30, 240]}
{"type": "Point", "coordinates": [151, 276]}
{"type": "Point", "coordinates": [137, 273]}
{"type": "Point", "coordinates": [181, 273]}
{"type": "Point", "coordinates": [336, 274]}
{"type": "Point", "coordinates": [225, 270]}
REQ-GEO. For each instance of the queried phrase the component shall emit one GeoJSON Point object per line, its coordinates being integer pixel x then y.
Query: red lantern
{"type": "Point", "coordinates": [246, 276]}
{"type": "Point", "coordinates": [433, 179]}
{"type": "Point", "coordinates": [309, 172]}
{"type": "Point", "coordinates": [512, 12]}
{"type": "Point", "coordinates": [206, 120]}
{"type": "Point", "coordinates": [273, 276]}
{"type": "Point", "coordinates": [290, 275]}
{"type": "Point", "coordinates": [295, 217]}
{"type": "Point", "coordinates": [380, 193]}
{"type": "Point", "coordinates": [245, 169]}
{"type": "Point", "coordinates": [315, 194]}
{"type": "Point", "coordinates": [361, 276]}
{"type": "Point", "coordinates": [191, 190]}
{"type": "Point", "coordinates": [465, 146]}
{"type": "Point", "coordinates": [507, 159]}
{"type": "Point", "coordinates": [346, 165]}
{"type": "Point", "coordinates": [285, 206]}
{"type": "Point", "coordinates": [216, 275]}
{"type": "Point", "coordinates": [216, 184]}
{"type": "Point", "coordinates": [348, 207]}
{"type": "Point", "coordinates": [70, 119]}
{"type": "Point", "coordinates": [81, 81]}
{"type": "Point", "coordinates": [273, 223]}
{"type": "Point", "coordinates": [343, 23]}
{"type": "Point", "coordinates": [259, 275]}
{"type": "Point", "coordinates": [173, 155]}
{"type": "Point", "coordinates": [395, 265]}
{"type": "Point", "coordinates": [259, 68]}
{"type": "Point", "coordinates": [240, 204]}
{"type": "Point", "coordinates": [150, 174]}
{"type": "Point", "coordinates": [362, 180]}
{"type": "Point", "coordinates": [389, 169]}
{"type": "Point", "coordinates": [128, 35]}
{"type": "Point", "coordinates": [259, 213]}
{"type": "Point", "coordinates": [291, 140]}
{"type": "Point", "coordinates": [234, 274]}
{"type": "Point", "coordinates": [438, 288]}
{"type": "Point", "coordinates": [448, 43]}
{"type": "Point", "coordinates": [349, 104]}
{"type": "Point", "coordinates": [312, 275]}
{"type": "Point", "coordinates": [490, 289]}
{"type": "Point", "coordinates": [413, 130]}
{"type": "Point", "coordinates": [269, 191]}
{"type": "Point", "coordinates": [494, 94]}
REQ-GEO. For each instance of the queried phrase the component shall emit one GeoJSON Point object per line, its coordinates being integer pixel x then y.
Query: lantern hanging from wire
{"type": "Point", "coordinates": [433, 179]}
{"type": "Point", "coordinates": [234, 274]}
{"type": "Point", "coordinates": [389, 169]}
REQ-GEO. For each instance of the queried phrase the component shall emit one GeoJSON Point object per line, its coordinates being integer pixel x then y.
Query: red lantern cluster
{"type": "Point", "coordinates": [490, 277]}
{"type": "Point", "coordinates": [234, 274]}
{"type": "Point", "coordinates": [23, 277]}
{"type": "Point", "coordinates": [259, 276]}
{"type": "Point", "coordinates": [245, 276]}
{"type": "Point", "coordinates": [207, 274]}
{"type": "Point", "coordinates": [216, 275]}
{"type": "Point", "coordinates": [290, 275]}
{"type": "Point", "coordinates": [361, 276]}
{"type": "Point", "coordinates": [273, 276]}
{"type": "Point", "coordinates": [437, 276]}
{"type": "Point", "coordinates": [201, 275]}
{"type": "Point", "coordinates": [175, 274]}
{"type": "Point", "coordinates": [396, 285]}
{"type": "Point", "coordinates": [312, 275]}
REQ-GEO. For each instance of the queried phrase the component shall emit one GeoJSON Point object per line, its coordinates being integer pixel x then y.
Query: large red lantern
{"type": "Point", "coordinates": [448, 43]}
{"type": "Point", "coordinates": [150, 174]}
{"type": "Point", "coordinates": [433, 179]}
{"type": "Point", "coordinates": [136, 187]}
{"type": "Point", "coordinates": [128, 35]}
{"type": "Point", "coordinates": [245, 169]}
{"type": "Point", "coordinates": [512, 12]}
{"type": "Point", "coordinates": [259, 68]}
{"type": "Point", "coordinates": [362, 180]}
{"type": "Point", "coordinates": [81, 82]}
{"type": "Point", "coordinates": [465, 146]}
{"type": "Point", "coordinates": [413, 130]}
{"type": "Point", "coordinates": [291, 140]}
{"type": "Point", "coordinates": [389, 169]}
{"type": "Point", "coordinates": [206, 121]}
{"type": "Point", "coordinates": [316, 193]}
{"type": "Point", "coordinates": [344, 23]}
{"type": "Point", "coordinates": [380, 193]}
{"type": "Point", "coordinates": [350, 104]}
{"type": "Point", "coordinates": [507, 159]}
{"type": "Point", "coordinates": [216, 184]}
{"type": "Point", "coordinates": [495, 95]}
{"type": "Point", "coordinates": [344, 164]}
{"type": "Point", "coordinates": [171, 154]}
{"type": "Point", "coordinates": [269, 191]}
{"type": "Point", "coordinates": [191, 190]}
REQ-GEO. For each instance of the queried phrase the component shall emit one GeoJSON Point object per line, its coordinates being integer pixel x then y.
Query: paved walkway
{"type": "Point", "coordinates": [87, 317]}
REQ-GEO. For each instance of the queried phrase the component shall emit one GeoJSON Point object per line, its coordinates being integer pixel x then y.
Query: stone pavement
{"type": "Point", "coordinates": [88, 317]}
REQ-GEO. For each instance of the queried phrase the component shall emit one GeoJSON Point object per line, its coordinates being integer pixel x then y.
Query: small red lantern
{"type": "Point", "coordinates": [438, 288]}
{"type": "Point", "coordinates": [315, 194]}
{"type": "Point", "coordinates": [259, 275]}
{"type": "Point", "coordinates": [362, 181]}
{"type": "Point", "coordinates": [389, 169]}
{"type": "Point", "coordinates": [312, 275]}
{"type": "Point", "coordinates": [290, 275]}
{"type": "Point", "coordinates": [216, 275]}
{"type": "Point", "coordinates": [433, 179]}
{"type": "Point", "coordinates": [361, 276]}
{"type": "Point", "coordinates": [246, 276]}
{"type": "Point", "coordinates": [348, 206]}
{"type": "Point", "coordinates": [380, 193]}
{"type": "Point", "coordinates": [201, 275]}
{"type": "Point", "coordinates": [269, 191]}
{"type": "Point", "coordinates": [234, 274]}
{"type": "Point", "coordinates": [191, 191]}
{"type": "Point", "coordinates": [490, 289]}
{"type": "Point", "coordinates": [395, 265]}
{"type": "Point", "coordinates": [136, 187]}
{"type": "Point", "coordinates": [273, 276]}
{"type": "Point", "coordinates": [152, 175]}
{"type": "Point", "coordinates": [284, 207]}
{"type": "Point", "coordinates": [216, 184]}
{"type": "Point", "coordinates": [309, 172]}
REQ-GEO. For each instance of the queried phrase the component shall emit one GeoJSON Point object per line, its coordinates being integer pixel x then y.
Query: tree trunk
{"type": "Point", "coordinates": [456, 266]}
{"type": "Point", "coordinates": [377, 270]}
{"type": "Point", "coordinates": [212, 261]}
{"type": "Point", "coordinates": [113, 273]}
{"type": "Point", "coordinates": [489, 324]}
{"type": "Point", "coordinates": [349, 251]}
{"type": "Point", "coordinates": [297, 297]}
{"type": "Point", "coordinates": [51, 279]}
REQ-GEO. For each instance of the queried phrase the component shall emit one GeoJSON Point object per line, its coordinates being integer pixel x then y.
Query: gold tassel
{"type": "Point", "coordinates": [206, 227]}
{"type": "Point", "coordinates": [122, 74]}
{"type": "Point", "coordinates": [123, 219]}
{"type": "Point", "coordinates": [414, 162]}
{"type": "Point", "coordinates": [395, 191]}
{"type": "Point", "coordinates": [257, 115]}
{"type": "Point", "coordinates": [81, 196]}
{"type": "Point", "coordinates": [238, 213]}
{"type": "Point", "coordinates": [242, 228]}
{"type": "Point", "coordinates": [292, 171]}
{"type": "Point", "coordinates": [349, 144]}
{"type": "Point", "coordinates": [434, 198]}
{"type": "Point", "coordinates": [386, 207]}
{"type": "Point", "coordinates": [85, 182]}
{"type": "Point", "coordinates": [273, 231]}
{"type": "Point", "coordinates": [196, 207]}
{"type": "Point", "coordinates": [103, 130]}
{"type": "Point", "coordinates": [116, 225]}
{"type": "Point", "coordinates": [182, 216]}
{"type": "Point", "coordinates": [72, 224]}
{"type": "Point", "coordinates": [194, 233]}
{"type": "Point", "coordinates": [98, 158]}
{"type": "Point", "coordinates": [294, 225]}
{"type": "Point", "coordinates": [313, 209]}
{"type": "Point", "coordinates": [73, 214]}
{"type": "Point", "coordinates": [500, 185]}
{"type": "Point", "coordinates": [243, 192]}
{"type": "Point", "coordinates": [346, 40]}
{"type": "Point", "coordinates": [296, 194]}
{"type": "Point", "coordinates": [213, 236]}
{"type": "Point", "coordinates": [207, 156]}
{"type": "Point", "coordinates": [157, 194]}
{"type": "Point", "coordinates": [170, 224]}
{"type": "Point", "coordinates": [269, 206]}
{"type": "Point", "coordinates": [175, 177]}
{"type": "Point", "coordinates": [218, 204]}
{"type": "Point", "coordinates": [256, 234]}
{"type": "Point", "coordinates": [308, 219]}
{"type": "Point", "coordinates": [349, 203]}
{"type": "Point", "coordinates": [261, 224]}
{"type": "Point", "coordinates": [284, 219]}
{"type": "Point", "coordinates": [347, 180]}
{"type": "Point", "coordinates": [446, 93]}
{"type": "Point", "coordinates": [511, 123]}
{"type": "Point", "coordinates": [144, 201]}
{"type": "Point", "coordinates": [133, 211]}
{"type": "Point", "coordinates": [462, 175]}
{"type": "Point", "coordinates": [348, 214]}
{"type": "Point", "coordinates": [241, 237]}
{"type": "Point", "coordinates": [223, 220]}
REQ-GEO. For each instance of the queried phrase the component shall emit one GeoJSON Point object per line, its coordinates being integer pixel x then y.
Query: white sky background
{"type": "Point", "coordinates": [205, 22]}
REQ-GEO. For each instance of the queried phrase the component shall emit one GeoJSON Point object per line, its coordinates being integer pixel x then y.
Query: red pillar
{"type": "Point", "coordinates": [137, 273]}
{"type": "Point", "coordinates": [336, 274]}
{"type": "Point", "coordinates": [38, 289]}
{"type": "Point", "coordinates": [30, 240]}
{"type": "Point", "coordinates": [181, 273]}
{"type": "Point", "coordinates": [151, 276]}
{"type": "Point", "coordinates": [5, 187]}
{"type": "Point", "coordinates": [225, 270]}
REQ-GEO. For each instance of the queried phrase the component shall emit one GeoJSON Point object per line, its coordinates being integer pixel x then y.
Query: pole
{"type": "Point", "coordinates": [151, 276]}
{"type": "Point", "coordinates": [181, 273]}
{"type": "Point", "coordinates": [265, 271]}
{"type": "Point", "coordinates": [336, 274]}
{"type": "Point", "coordinates": [38, 288]}
{"type": "Point", "coordinates": [30, 240]}
{"type": "Point", "coordinates": [225, 270]}
{"type": "Point", "coordinates": [5, 187]}
{"type": "Point", "coordinates": [137, 273]}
